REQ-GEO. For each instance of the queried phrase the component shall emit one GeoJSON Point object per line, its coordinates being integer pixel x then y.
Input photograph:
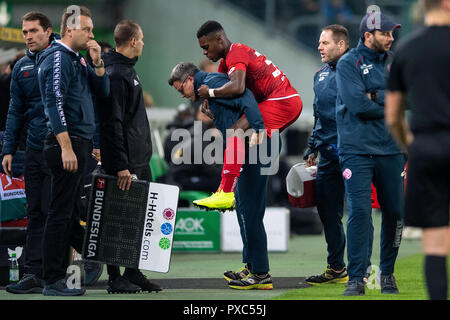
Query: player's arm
{"type": "Point", "coordinates": [235, 87]}
{"type": "Point", "coordinates": [395, 118]}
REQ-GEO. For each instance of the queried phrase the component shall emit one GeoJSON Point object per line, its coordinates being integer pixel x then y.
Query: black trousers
{"type": "Point", "coordinates": [37, 189]}
{"type": "Point", "coordinates": [62, 226]}
{"type": "Point", "coordinates": [143, 173]}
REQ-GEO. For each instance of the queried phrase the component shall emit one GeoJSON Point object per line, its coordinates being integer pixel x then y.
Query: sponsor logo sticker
{"type": "Point", "coordinates": [168, 214]}
{"type": "Point", "coordinates": [164, 243]}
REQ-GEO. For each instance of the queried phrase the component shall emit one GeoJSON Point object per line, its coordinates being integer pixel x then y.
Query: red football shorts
{"type": "Point", "coordinates": [280, 113]}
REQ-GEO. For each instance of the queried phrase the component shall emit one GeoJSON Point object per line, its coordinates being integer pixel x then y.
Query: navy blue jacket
{"type": "Point", "coordinates": [227, 111]}
{"type": "Point", "coordinates": [67, 84]}
{"type": "Point", "coordinates": [360, 120]}
{"type": "Point", "coordinates": [25, 106]}
{"type": "Point", "coordinates": [324, 132]}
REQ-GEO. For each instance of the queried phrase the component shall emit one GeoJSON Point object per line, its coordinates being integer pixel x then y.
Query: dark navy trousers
{"type": "Point", "coordinates": [63, 227]}
{"type": "Point", "coordinates": [386, 174]}
{"type": "Point", "coordinates": [330, 193]}
{"type": "Point", "coordinates": [251, 192]}
{"type": "Point", "coordinates": [37, 189]}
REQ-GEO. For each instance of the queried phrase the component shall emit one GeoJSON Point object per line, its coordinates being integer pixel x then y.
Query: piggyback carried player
{"type": "Point", "coordinates": [278, 101]}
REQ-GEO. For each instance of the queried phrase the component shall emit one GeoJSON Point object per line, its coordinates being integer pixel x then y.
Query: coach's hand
{"type": "Point", "coordinates": [7, 164]}
{"type": "Point", "coordinates": [69, 160]}
{"type": "Point", "coordinates": [203, 91]}
{"type": "Point", "coordinates": [205, 109]}
{"type": "Point", "coordinates": [311, 161]}
{"type": "Point", "coordinates": [95, 51]}
{"type": "Point", "coordinates": [124, 180]}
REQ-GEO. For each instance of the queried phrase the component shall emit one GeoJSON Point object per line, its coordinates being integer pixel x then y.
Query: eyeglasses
{"type": "Point", "coordinates": [181, 88]}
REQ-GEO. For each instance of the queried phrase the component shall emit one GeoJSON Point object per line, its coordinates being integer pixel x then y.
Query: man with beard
{"type": "Point", "coordinates": [368, 153]}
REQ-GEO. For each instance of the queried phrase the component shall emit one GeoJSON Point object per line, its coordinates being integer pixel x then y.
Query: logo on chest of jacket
{"type": "Point", "coordinates": [136, 83]}
{"type": "Point", "coordinates": [323, 75]}
{"type": "Point", "coordinates": [366, 68]}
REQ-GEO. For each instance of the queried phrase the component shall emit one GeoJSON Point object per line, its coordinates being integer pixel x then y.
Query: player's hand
{"type": "Point", "coordinates": [95, 51]}
{"type": "Point", "coordinates": [124, 180]}
{"type": "Point", "coordinates": [256, 138]}
{"type": "Point", "coordinates": [205, 109]}
{"type": "Point", "coordinates": [203, 91]}
{"type": "Point", "coordinates": [69, 160]}
{"type": "Point", "coordinates": [311, 161]}
{"type": "Point", "coordinates": [7, 164]}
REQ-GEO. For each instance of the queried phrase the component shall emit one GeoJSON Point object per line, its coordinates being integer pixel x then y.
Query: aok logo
{"type": "Point", "coordinates": [190, 226]}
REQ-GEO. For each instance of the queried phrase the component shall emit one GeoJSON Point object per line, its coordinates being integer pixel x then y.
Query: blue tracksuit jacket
{"type": "Point", "coordinates": [25, 106]}
{"type": "Point", "coordinates": [360, 120]}
{"type": "Point", "coordinates": [227, 111]}
{"type": "Point", "coordinates": [67, 84]}
{"type": "Point", "coordinates": [324, 132]}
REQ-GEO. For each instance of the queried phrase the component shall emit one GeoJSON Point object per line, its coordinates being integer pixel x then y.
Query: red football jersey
{"type": "Point", "coordinates": [263, 78]}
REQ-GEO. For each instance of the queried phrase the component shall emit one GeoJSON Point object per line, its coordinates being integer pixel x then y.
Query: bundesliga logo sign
{"type": "Point", "coordinates": [96, 218]}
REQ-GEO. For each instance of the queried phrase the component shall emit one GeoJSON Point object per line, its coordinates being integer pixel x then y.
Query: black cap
{"type": "Point", "coordinates": [377, 21]}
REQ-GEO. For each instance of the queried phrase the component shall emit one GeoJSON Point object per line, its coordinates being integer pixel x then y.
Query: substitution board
{"type": "Point", "coordinates": [131, 228]}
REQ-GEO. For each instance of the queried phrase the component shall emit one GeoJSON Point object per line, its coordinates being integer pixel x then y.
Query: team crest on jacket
{"type": "Point", "coordinates": [83, 62]}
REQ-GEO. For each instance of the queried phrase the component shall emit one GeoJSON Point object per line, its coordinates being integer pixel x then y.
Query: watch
{"type": "Point", "coordinates": [101, 65]}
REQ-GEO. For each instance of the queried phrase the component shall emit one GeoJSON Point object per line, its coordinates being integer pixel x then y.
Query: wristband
{"type": "Point", "coordinates": [211, 93]}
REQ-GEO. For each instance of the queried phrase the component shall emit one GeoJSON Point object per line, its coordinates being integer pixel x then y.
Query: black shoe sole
{"type": "Point", "coordinates": [152, 290]}
{"type": "Point", "coordinates": [56, 293]}
{"type": "Point", "coordinates": [112, 291]}
{"type": "Point", "coordinates": [211, 209]}
{"type": "Point", "coordinates": [29, 291]}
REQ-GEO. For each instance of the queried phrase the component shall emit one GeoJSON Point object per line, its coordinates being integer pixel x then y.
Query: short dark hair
{"type": "Point", "coordinates": [339, 33]}
{"type": "Point", "coordinates": [125, 31]}
{"type": "Point", "coordinates": [209, 27]}
{"type": "Point", "coordinates": [181, 71]}
{"type": "Point", "coordinates": [432, 4]}
{"type": "Point", "coordinates": [44, 21]}
{"type": "Point", "coordinates": [67, 14]}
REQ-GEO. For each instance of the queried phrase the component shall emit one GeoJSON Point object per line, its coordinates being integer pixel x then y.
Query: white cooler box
{"type": "Point", "coordinates": [276, 223]}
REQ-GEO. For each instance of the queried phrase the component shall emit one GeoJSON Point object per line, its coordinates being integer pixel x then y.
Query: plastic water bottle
{"type": "Point", "coordinates": [14, 269]}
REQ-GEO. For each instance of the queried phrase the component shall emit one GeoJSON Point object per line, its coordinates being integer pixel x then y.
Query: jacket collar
{"type": "Point", "coordinates": [53, 37]}
{"type": "Point", "coordinates": [369, 53]}
{"type": "Point", "coordinates": [114, 57]}
{"type": "Point", "coordinates": [198, 80]}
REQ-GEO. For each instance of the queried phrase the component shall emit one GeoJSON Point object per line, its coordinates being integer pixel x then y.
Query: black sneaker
{"type": "Point", "coordinates": [388, 285]}
{"type": "Point", "coordinates": [92, 272]}
{"type": "Point", "coordinates": [28, 284]}
{"type": "Point", "coordinates": [122, 285]}
{"type": "Point", "coordinates": [140, 280]}
{"type": "Point", "coordinates": [253, 281]}
{"type": "Point", "coordinates": [59, 288]}
{"type": "Point", "coordinates": [329, 276]}
{"type": "Point", "coordinates": [354, 288]}
{"type": "Point", "coordinates": [242, 273]}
